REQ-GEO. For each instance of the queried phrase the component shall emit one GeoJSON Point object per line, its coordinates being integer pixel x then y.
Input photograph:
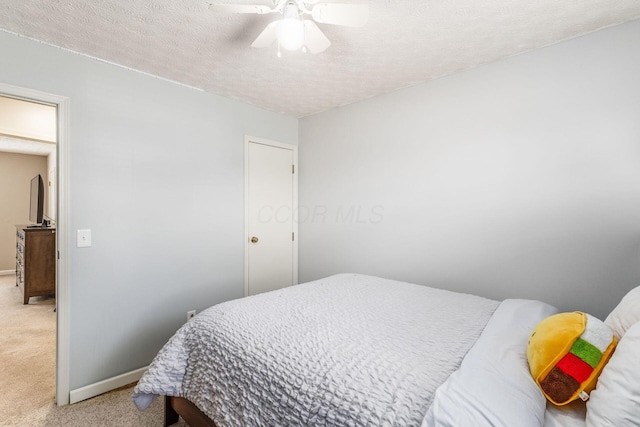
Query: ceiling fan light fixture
{"type": "Point", "coordinates": [291, 29]}
{"type": "Point", "coordinates": [298, 29]}
{"type": "Point", "coordinates": [291, 33]}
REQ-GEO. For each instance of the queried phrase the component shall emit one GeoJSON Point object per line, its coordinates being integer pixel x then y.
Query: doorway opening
{"type": "Point", "coordinates": [19, 146]}
{"type": "Point", "coordinates": [28, 152]}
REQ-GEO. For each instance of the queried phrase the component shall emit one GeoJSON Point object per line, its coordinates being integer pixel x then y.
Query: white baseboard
{"type": "Point", "coordinates": [104, 386]}
{"type": "Point", "coordinates": [7, 272]}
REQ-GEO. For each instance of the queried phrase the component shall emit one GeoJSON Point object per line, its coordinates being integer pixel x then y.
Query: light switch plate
{"type": "Point", "coordinates": [83, 238]}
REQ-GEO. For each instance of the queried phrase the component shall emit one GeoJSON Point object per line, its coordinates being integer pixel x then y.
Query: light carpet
{"type": "Point", "coordinates": [27, 350]}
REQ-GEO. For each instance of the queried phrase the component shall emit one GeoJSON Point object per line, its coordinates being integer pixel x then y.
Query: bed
{"type": "Point", "coordinates": [355, 350]}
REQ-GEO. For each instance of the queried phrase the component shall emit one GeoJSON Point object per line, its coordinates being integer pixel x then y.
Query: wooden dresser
{"type": "Point", "coordinates": [36, 261]}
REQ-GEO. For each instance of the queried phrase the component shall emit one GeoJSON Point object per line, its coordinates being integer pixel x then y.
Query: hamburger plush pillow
{"type": "Point", "coordinates": [566, 353]}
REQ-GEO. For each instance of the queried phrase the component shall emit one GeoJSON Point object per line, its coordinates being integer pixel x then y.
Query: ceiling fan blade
{"type": "Point", "coordinates": [267, 36]}
{"type": "Point", "coordinates": [241, 8]}
{"type": "Point", "coordinates": [351, 15]}
{"type": "Point", "coordinates": [314, 39]}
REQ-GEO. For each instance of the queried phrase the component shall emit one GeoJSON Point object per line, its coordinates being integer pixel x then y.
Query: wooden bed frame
{"type": "Point", "coordinates": [175, 407]}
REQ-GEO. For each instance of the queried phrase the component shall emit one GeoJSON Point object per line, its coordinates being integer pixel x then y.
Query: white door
{"type": "Point", "coordinates": [270, 226]}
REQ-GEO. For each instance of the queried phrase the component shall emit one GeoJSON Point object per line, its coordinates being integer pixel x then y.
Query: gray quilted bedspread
{"type": "Point", "coordinates": [348, 350]}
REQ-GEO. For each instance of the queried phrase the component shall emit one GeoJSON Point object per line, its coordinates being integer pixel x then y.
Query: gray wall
{"type": "Point", "coordinates": [519, 178]}
{"type": "Point", "coordinates": [16, 171]}
{"type": "Point", "coordinates": [156, 173]}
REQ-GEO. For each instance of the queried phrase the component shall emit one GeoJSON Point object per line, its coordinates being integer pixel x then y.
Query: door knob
{"type": "Point", "coordinates": [254, 239]}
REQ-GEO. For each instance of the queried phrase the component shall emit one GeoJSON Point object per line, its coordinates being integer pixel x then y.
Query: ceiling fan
{"type": "Point", "coordinates": [293, 31]}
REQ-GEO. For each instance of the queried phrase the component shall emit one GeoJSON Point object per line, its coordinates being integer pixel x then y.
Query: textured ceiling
{"type": "Point", "coordinates": [403, 43]}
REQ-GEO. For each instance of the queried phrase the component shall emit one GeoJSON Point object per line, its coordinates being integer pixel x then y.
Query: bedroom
{"type": "Point", "coordinates": [517, 177]}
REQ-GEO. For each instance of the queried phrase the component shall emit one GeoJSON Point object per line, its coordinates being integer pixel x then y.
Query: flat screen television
{"type": "Point", "coordinates": [36, 205]}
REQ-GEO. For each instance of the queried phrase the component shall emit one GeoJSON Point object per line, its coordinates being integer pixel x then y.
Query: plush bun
{"type": "Point", "coordinates": [566, 353]}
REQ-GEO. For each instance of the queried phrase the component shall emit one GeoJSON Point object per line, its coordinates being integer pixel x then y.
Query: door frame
{"type": "Point", "coordinates": [294, 150]}
{"type": "Point", "coordinates": [62, 220]}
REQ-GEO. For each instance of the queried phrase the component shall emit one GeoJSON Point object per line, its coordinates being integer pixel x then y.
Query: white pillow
{"type": "Point", "coordinates": [493, 386]}
{"type": "Point", "coordinates": [616, 398]}
{"type": "Point", "coordinates": [626, 313]}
